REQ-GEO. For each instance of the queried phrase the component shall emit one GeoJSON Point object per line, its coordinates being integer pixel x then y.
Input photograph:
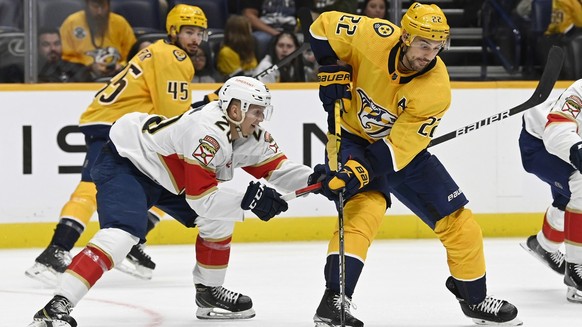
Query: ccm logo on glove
{"type": "Point", "coordinates": [263, 201]}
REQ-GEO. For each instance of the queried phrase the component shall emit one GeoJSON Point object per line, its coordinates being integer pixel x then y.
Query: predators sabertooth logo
{"type": "Point", "coordinates": [375, 120]}
{"type": "Point", "coordinates": [572, 105]}
{"type": "Point", "coordinates": [383, 29]}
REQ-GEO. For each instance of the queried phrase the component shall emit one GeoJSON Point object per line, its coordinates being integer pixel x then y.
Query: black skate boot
{"type": "Point", "coordinates": [55, 313]}
{"type": "Point", "coordinates": [328, 312]}
{"type": "Point", "coordinates": [138, 263]}
{"type": "Point", "coordinates": [490, 311]}
{"type": "Point", "coordinates": [52, 262]}
{"type": "Point", "coordinates": [573, 278]}
{"type": "Point", "coordinates": [553, 260]}
{"type": "Point", "coordinates": [220, 303]}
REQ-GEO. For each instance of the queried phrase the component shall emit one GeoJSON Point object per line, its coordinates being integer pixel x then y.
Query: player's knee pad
{"type": "Point", "coordinates": [214, 229]}
{"type": "Point", "coordinates": [114, 242]}
{"type": "Point", "coordinates": [363, 214]}
{"type": "Point", "coordinates": [462, 237]}
{"type": "Point", "coordinates": [82, 204]}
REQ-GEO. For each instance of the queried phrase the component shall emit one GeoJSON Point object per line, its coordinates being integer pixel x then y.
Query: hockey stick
{"type": "Point", "coordinates": [301, 192]}
{"type": "Point", "coordinates": [306, 20]}
{"type": "Point", "coordinates": [541, 93]}
{"type": "Point", "coordinates": [285, 61]}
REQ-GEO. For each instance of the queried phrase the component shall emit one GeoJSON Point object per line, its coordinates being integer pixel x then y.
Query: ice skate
{"type": "Point", "coordinates": [490, 311]}
{"type": "Point", "coordinates": [221, 303]}
{"type": "Point", "coordinates": [328, 312]}
{"type": "Point", "coordinates": [55, 314]}
{"type": "Point", "coordinates": [553, 260]}
{"type": "Point", "coordinates": [573, 278]}
{"type": "Point", "coordinates": [137, 263]}
{"type": "Point", "coordinates": [48, 266]}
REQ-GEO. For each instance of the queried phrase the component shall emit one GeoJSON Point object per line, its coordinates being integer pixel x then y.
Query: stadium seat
{"type": "Point", "coordinates": [12, 57]}
{"type": "Point", "coordinates": [11, 15]}
{"type": "Point", "coordinates": [52, 13]}
{"type": "Point", "coordinates": [143, 15]}
{"type": "Point", "coordinates": [215, 10]}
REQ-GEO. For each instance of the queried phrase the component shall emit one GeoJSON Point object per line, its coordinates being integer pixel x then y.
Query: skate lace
{"type": "Point", "coordinates": [141, 253]}
{"type": "Point", "coordinates": [64, 257]}
{"type": "Point", "coordinates": [337, 301]}
{"type": "Point", "coordinates": [61, 306]}
{"type": "Point", "coordinates": [490, 305]}
{"type": "Point", "coordinates": [558, 257]}
{"type": "Point", "coordinates": [578, 270]}
{"type": "Point", "coordinates": [224, 294]}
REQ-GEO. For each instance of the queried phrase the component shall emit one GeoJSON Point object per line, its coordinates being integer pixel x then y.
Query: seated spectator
{"type": "Point", "coordinates": [97, 38]}
{"type": "Point", "coordinates": [269, 18]}
{"type": "Point", "coordinates": [281, 46]}
{"type": "Point", "coordinates": [137, 47]}
{"type": "Point", "coordinates": [375, 9]}
{"type": "Point", "coordinates": [237, 52]}
{"type": "Point", "coordinates": [203, 66]}
{"type": "Point", "coordinates": [319, 6]}
{"type": "Point", "coordinates": [564, 30]}
{"type": "Point", "coordinates": [51, 67]}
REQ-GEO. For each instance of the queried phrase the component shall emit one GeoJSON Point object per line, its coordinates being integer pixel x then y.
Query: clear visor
{"type": "Point", "coordinates": [260, 112]}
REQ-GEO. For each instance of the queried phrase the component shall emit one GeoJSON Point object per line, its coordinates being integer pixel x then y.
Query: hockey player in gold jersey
{"type": "Point", "coordinates": [155, 81]}
{"type": "Point", "coordinates": [398, 93]}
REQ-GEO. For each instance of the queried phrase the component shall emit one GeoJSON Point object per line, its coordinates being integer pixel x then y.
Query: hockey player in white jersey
{"type": "Point", "coordinates": [177, 164]}
{"type": "Point", "coordinates": [551, 148]}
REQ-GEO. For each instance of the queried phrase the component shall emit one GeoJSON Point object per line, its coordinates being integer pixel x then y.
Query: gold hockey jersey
{"type": "Point", "coordinates": [80, 47]}
{"type": "Point", "coordinates": [565, 15]}
{"type": "Point", "coordinates": [155, 81]}
{"type": "Point", "coordinates": [402, 110]}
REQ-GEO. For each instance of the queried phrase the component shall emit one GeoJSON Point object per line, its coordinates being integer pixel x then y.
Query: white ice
{"type": "Point", "coordinates": [402, 285]}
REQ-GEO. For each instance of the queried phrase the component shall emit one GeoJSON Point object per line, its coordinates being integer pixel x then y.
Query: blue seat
{"type": "Point", "coordinates": [52, 13]}
{"type": "Point", "coordinates": [215, 10]}
{"type": "Point", "coordinates": [11, 15]}
{"type": "Point", "coordinates": [143, 15]}
{"type": "Point", "coordinates": [12, 51]}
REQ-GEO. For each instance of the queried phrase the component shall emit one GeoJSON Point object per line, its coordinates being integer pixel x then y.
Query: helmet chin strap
{"type": "Point", "coordinates": [237, 123]}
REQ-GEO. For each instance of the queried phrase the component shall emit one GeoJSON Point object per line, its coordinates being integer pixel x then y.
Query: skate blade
{"type": "Point", "coordinates": [217, 313]}
{"type": "Point", "coordinates": [535, 255]}
{"type": "Point", "coordinates": [52, 323]}
{"type": "Point", "coordinates": [514, 322]}
{"type": "Point", "coordinates": [573, 295]}
{"type": "Point", "coordinates": [322, 322]}
{"type": "Point", "coordinates": [138, 271]}
{"type": "Point", "coordinates": [43, 274]}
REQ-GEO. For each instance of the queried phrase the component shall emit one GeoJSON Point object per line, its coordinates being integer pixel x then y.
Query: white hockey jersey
{"type": "Point", "coordinates": [557, 121]}
{"type": "Point", "coordinates": [191, 153]}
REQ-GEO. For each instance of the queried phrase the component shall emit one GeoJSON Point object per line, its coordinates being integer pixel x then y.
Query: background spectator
{"type": "Point", "coordinates": [98, 38]}
{"type": "Point", "coordinates": [319, 6]}
{"type": "Point", "coordinates": [269, 18]}
{"type": "Point", "coordinates": [281, 46]}
{"type": "Point", "coordinates": [375, 8]}
{"type": "Point", "coordinates": [204, 66]}
{"type": "Point", "coordinates": [51, 67]}
{"type": "Point", "coordinates": [237, 53]}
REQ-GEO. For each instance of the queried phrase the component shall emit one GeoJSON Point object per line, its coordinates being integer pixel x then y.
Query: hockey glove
{"type": "Point", "coordinates": [576, 155]}
{"type": "Point", "coordinates": [263, 201]}
{"type": "Point", "coordinates": [353, 176]}
{"type": "Point", "coordinates": [334, 84]}
{"type": "Point", "coordinates": [320, 174]}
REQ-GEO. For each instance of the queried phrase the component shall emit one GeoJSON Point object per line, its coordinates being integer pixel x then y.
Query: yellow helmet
{"type": "Point", "coordinates": [182, 15]}
{"type": "Point", "coordinates": [427, 21]}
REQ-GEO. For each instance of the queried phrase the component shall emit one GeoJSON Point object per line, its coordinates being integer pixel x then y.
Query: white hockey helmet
{"type": "Point", "coordinates": [248, 91]}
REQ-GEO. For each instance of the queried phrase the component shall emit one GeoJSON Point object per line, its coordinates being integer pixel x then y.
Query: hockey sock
{"type": "Point", "coordinates": [67, 233]}
{"type": "Point", "coordinates": [212, 258]}
{"type": "Point", "coordinates": [353, 270]}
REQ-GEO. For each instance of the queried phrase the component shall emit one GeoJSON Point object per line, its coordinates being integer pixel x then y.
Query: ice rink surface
{"type": "Point", "coordinates": [402, 285]}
